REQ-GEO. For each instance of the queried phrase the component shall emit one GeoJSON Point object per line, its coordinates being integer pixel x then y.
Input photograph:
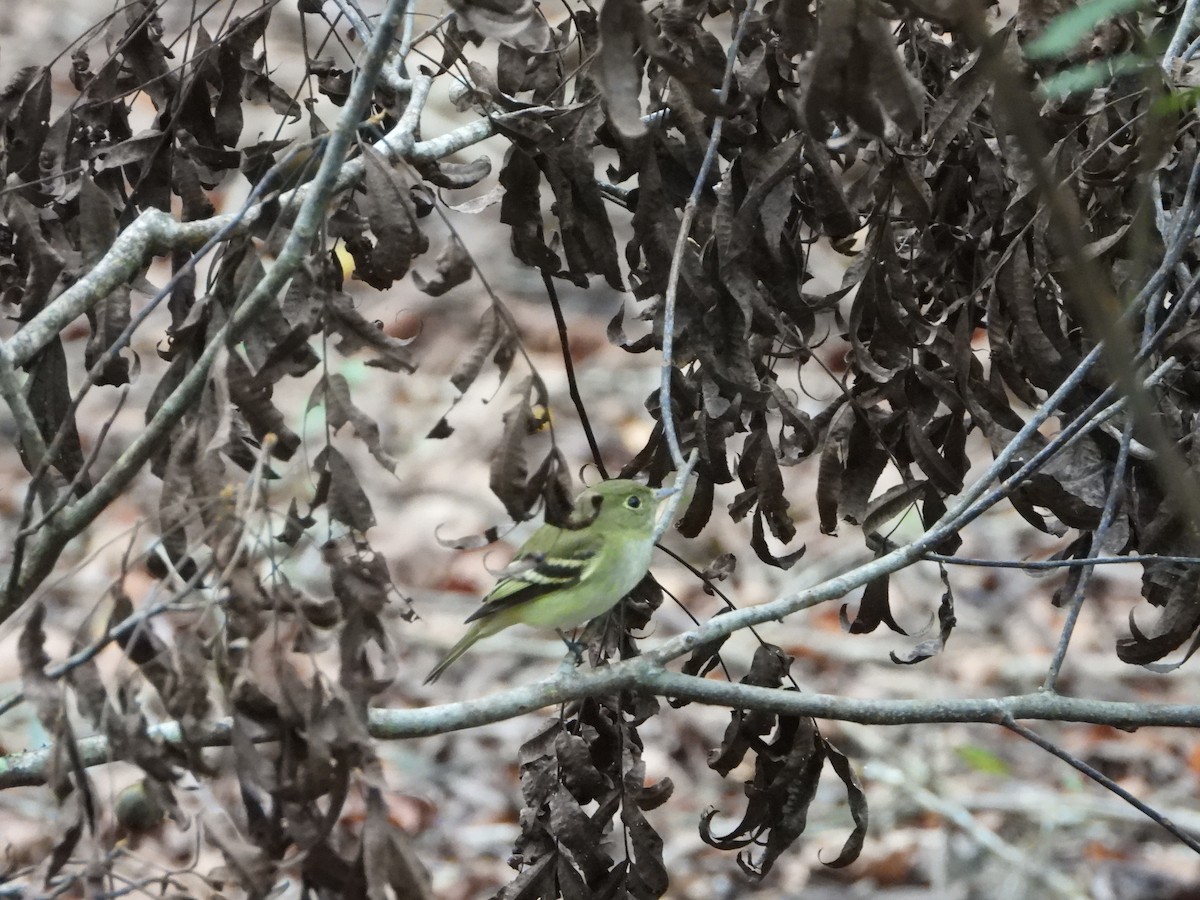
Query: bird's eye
{"type": "Point", "coordinates": [633, 502]}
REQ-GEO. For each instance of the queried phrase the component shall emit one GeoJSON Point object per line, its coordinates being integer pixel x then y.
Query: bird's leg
{"type": "Point", "coordinates": [575, 648]}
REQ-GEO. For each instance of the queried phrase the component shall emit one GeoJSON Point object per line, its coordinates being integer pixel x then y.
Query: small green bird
{"type": "Point", "coordinates": [562, 577]}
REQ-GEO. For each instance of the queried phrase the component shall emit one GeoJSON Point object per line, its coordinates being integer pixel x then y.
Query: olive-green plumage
{"type": "Point", "coordinates": [563, 577]}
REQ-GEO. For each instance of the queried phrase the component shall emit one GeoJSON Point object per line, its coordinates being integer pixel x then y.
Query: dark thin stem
{"type": "Point", "coordinates": [1092, 416]}
{"type": "Point", "coordinates": [118, 632]}
{"type": "Point", "coordinates": [1115, 484]}
{"type": "Point", "coordinates": [711, 585]}
{"type": "Point", "coordinates": [1043, 564]}
{"type": "Point", "coordinates": [1084, 279]}
{"type": "Point", "coordinates": [1104, 781]}
{"type": "Point", "coordinates": [666, 413]}
{"type": "Point", "coordinates": [80, 477]}
{"type": "Point", "coordinates": [1117, 481]}
{"type": "Point", "coordinates": [564, 344]}
{"type": "Point", "coordinates": [967, 506]}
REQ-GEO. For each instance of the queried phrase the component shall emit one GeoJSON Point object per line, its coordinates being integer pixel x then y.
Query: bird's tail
{"type": "Point", "coordinates": [472, 635]}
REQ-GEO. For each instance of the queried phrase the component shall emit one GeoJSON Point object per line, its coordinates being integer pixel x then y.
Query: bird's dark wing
{"type": "Point", "coordinates": [535, 575]}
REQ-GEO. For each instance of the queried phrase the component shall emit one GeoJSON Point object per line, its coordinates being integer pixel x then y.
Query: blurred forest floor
{"type": "Point", "coordinates": [956, 810]}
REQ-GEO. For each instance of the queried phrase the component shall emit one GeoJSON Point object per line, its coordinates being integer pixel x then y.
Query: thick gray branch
{"type": "Point", "coordinates": [395, 724]}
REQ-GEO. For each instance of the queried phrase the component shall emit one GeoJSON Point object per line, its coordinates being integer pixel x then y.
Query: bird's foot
{"type": "Point", "coordinates": [575, 649]}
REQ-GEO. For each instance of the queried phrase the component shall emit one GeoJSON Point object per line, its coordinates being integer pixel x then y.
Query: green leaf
{"type": "Point", "coordinates": [1176, 102]}
{"type": "Point", "coordinates": [1065, 31]}
{"type": "Point", "coordinates": [1078, 79]}
{"type": "Point", "coordinates": [982, 760]}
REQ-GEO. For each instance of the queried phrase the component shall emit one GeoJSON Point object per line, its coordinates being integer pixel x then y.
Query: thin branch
{"type": "Point", "coordinates": [32, 443]}
{"type": "Point", "coordinates": [1187, 19]}
{"type": "Point", "coordinates": [155, 233]}
{"type": "Point", "coordinates": [961, 817]}
{"type": "Point", "coordinates": [1097, 412]}
{"type": "Point", "coordinates": [564, 344]}
{"type": "Point", "coordinates": [406, 39]}
{"type": "Point", "coordinates": [1103, 780]}
{"type": "Point", "coordinates": [316, 199]}
{"type": "Point", "coordinates": [355, 16]}
{"type": "Point", "coordinates": [1116, 485]}
{"type": "Point", "coordinates": [1043, 564]}
{"type": "Point", "coordinates": [643, 675]}
{"type": "Point", "coordinates": [121, 630]}
{"type": "Point", "coordinates": [667, 516]}
{"type": "Point", "coordinates": [967, 506]}
{"type": "Point", "coordinates": [666, 414]}
{"type": "Point", "coordinates": [1102, 314]}
{"type": "Point", "coordinates": [80, 477]}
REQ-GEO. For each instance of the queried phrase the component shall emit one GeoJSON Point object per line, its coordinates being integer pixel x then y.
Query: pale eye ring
{"type": "Point", "coordinates": [633, 502]}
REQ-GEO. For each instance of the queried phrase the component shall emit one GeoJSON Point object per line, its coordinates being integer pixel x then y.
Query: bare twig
{"type": "Point", "coordinates": [685, 229]}
{"type": "Point", "coordinates": [316, 198]}
{"type": "Point", "coordinates": [155, 233]}
{"type": "Point", "coordinates": [1187, 21]}
{"type": "Point", "coordinates": [1115, 489]}
{"type": "Point", "coordinates": [667, 516]}
{"type": "Point", "coordinates": [32, 443]}
{"type": "Point", "coordinates": [643, 675]}
{"type": "Point", "coordinates": [564, 343]}
{"type": "Point", "coordinates": [65, 497]}
{"type": "Point", "coordinates": [1017, 857]}
{"type": "Point", "coordinates": [1044, 564]}
{"type": "Point", "coordinates": [354, 14]}
{"type": "Point", "coordinates": [1103, 780]}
